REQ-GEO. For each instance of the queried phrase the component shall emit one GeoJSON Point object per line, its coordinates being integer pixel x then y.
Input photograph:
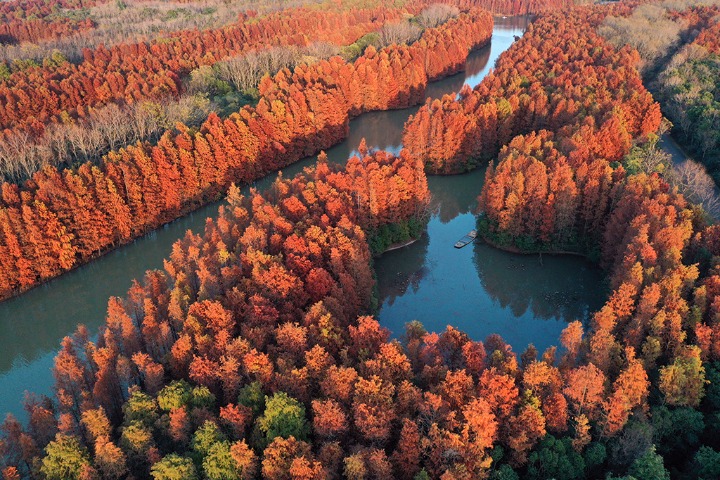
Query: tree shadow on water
{"type": "Point", "coordinates": [549, 286]}
{"type": "Point", "coordinates": [402, 270]}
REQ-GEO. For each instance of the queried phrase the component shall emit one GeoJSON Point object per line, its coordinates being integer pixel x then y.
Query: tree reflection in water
{"type": "Point", "coordinates": [477, 62]}
{"type": "Point", "coordinates": [456, 194]}
{"type": "Point", "coordinates": [478, 289]}
{"type": "Point", "coordinates": [401, 270]}
{"type": "Point", "coordinates": [26, 351]}
{"type": "Point", "coordinates": [547, 286]}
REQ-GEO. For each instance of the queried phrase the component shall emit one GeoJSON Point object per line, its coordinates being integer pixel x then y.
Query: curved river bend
{"type": "Point", "coordinates": [476, 289]}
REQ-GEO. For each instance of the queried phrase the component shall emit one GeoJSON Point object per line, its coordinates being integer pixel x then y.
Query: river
{"type": "Point", "coordinates": [477, 289]}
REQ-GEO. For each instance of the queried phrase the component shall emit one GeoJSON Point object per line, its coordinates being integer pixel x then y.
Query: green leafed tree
{"type": "Point", "coordinates": [649, 465]}
{"type": "Point", "coordinates": [65, 459]}
{"type": "Point", "coordinates": [202, 397]}
{"type": "Point", "coordinates": [140, 408]}
{"type": "Point", "coordinates": [283, 417]}
{"type": "Point", "coordinates": [707, 463]}
{"type": "Point", "coordinates": [219, 463]}
{"type": "Point", "coordinates": [504, 472]}
{"type": "Point", "coordinates": [555, 458]}
{"type": "Point", "coordinates": [175, 395]}
{"type": "Point", "coordinates": [205, 437]}
{"type": "Point", "coordinates": [677, 430]}
{"type": "Point", "coordinates": [683, 381]}
{"type": "Point", "coordinates": [252, 396]}
{"type": "Point", "coordinates": [174, 467]}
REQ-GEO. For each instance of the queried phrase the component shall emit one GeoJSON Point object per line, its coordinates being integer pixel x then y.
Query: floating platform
{"type": "Point", "coordinates": [469, 238]}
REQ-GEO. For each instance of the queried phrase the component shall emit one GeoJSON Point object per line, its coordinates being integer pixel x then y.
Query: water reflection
{"type": "Point", "coordinates": [505, 33]}
{"type": "Point", "coordinates": [381, 130]}
{"type": "Point", "coordinates": [456, 195]}
{"type": "Point", "coordinates": [476, 67]}
{"type": "Point", "coordinates": [546, 287]}
{"type": "Point", "coordinates": [479, 289]}
{"type": "Point", "coordinates": [32, 326]}
{"type": "Point", "coordinates": [403, 272]}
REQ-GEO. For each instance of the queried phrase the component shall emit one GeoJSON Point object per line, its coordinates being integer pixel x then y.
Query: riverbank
{"type": "Point", "coordinates": [398, 246]}
{"type": "Point", "coordinates": [26, 354]}
{"type": "Point", "coordinates": [161, 183]}
{"type": "Point", "coordinates": [481, 289]}
{"type": "Point", "coordinates": [513, 249]}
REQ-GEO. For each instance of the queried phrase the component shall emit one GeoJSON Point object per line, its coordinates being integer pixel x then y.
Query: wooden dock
{"type": "Point", "coordinates": [469, 238]}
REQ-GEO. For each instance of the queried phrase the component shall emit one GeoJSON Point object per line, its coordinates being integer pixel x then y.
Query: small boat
{"type": "Point", "coordinates": [469, 238]}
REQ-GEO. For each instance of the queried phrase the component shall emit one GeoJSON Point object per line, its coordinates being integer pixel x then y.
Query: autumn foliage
{"type": "Point", "coordinates": [251, 352]}
{"type": "Point", "coordinates": [590, 89]}
{"type": "Point", "coordinates": [32, 21]}
{"type": "Point", "coordinates": [710, 38]}
{"type": "Point", "coordinates": [560, 185]}
{"type": "Point", "coordinates": [257, 319]}
{"type": "Point", "coordinates": [562, 114]}
{"type": "Point", "coordinates": [516, 7]}
{"type": "Point", "coordinates": [128, 73]}
{"type": "Point", "coordinates": [60, 219]}
{"type": "Point", "coordinates": [298, 263]}
{"type": "Point", "coordinates": [563, 188]}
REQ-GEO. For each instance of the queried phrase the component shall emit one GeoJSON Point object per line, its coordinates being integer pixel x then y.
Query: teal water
{"type": "Point", "coordinates": [477, 289]}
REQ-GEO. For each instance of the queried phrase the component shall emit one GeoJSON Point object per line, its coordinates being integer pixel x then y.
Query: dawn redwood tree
{"type": "Point", "coordinates": [140, 187]}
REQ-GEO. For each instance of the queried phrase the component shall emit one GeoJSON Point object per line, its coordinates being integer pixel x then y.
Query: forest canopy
{"type": "Point", "coordinates": [256, 351]}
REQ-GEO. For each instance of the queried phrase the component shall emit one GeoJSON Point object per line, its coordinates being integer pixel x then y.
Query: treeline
{"type": "Point", "coordinates": [224, 87]}
{"type": "Point", "coordinates": [109, 127]}
{"type": "Point", "coordinates": [101, 131]}
{"type": "Point", "coordinates": [529, 90]}
{"type": "Point", "coordinates": [297, 262]}
{"type": "Point", "coordinates": [133, 21]}
{"type": "Point", "coordinates": [127, 73]}
{"type": "Point", "coordinates": [246, 357]}
{"type": "Point", "coordinates": [35, 20]}
{"type": "Point", "coordinates": [516, 7]}
{"type": "Point", "coordinates": [33, 30]}
{"type": "Point", "coordinates": [657, 30]}
{"type": "Point", "coordinates": [680, 64]}
{"type": "Point", "coordinates": [555, 183]}
{"type": "Point", "coordinates": [61, 219]}
{"type": "Point", "coordinates": [19, 9]}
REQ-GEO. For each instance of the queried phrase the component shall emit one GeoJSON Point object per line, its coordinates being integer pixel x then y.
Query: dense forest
{"type": "Point", "coordinates": [255, 352]}
{"type": "Point", "coordinates": [32, 20]}
{"type": "Point", "coordinates": [688, 82]}
{"type": "Point", "coordinates": [131, 72]}
{"type": "Point", "coordinates": [61, 218]}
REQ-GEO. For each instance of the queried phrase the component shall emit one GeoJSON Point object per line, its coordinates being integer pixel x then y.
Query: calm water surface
{"type": "Point", "coordinates": [477, 289]}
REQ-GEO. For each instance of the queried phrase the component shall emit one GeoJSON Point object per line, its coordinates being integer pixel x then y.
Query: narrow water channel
{"type": "Point", "coordinates": [477, 289]}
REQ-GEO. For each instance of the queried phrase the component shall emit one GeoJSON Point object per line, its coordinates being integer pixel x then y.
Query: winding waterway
{"type": "Point", "coordinates": [477, 289]}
